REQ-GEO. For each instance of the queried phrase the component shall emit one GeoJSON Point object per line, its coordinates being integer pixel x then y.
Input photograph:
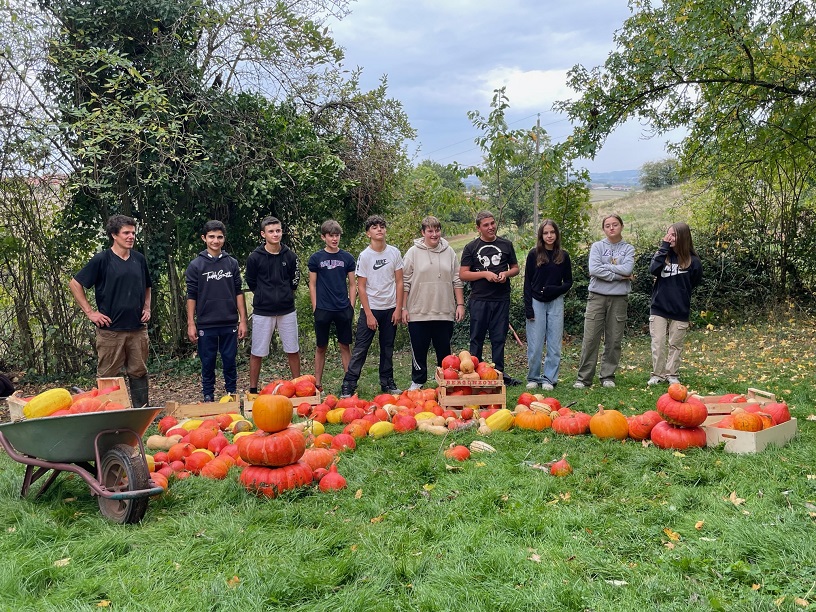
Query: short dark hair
{"type": "Point", "coordinates": [116, 223]}
{"type": "Point", "coordinates": [330, 227]}
{"type": "Point", "coordinates": [431, 222]}
{"type": "Point", "coordinates": [270, 220]}
{"type": "Point", "coordinates": [375, 220]}
{"type": "Point", "coordinates": [213, 226]}
{"type": "Point", "coordinates": [483, 214]}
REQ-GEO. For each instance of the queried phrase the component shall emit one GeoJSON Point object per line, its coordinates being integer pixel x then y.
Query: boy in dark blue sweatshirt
{"type": "Point", "coordinates": [216, 312]}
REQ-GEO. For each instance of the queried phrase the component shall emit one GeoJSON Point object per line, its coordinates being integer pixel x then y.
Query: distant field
{"type": "Point", "coordinates": [645, 213]}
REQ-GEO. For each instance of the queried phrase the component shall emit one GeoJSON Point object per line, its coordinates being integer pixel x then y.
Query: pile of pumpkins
{"type": "Point", "coordinates": [464, 366]}
{"type": "Point", "coordinates": [60, 402]}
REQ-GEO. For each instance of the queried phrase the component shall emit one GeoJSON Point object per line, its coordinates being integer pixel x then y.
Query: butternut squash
{"type": "Point", "coordinates": [47, 403]}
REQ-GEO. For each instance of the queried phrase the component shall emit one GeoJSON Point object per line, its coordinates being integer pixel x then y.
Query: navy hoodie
{"type": "Point", "coordinates": [214, 283]}
{"type": "Point", "coordinates": [671, 292]}
{"type": "Point", "coordinates": [273, 280]}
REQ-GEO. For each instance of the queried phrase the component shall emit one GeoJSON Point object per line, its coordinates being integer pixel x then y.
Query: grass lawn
{"type": "Point", "coordinates": [634, 527]}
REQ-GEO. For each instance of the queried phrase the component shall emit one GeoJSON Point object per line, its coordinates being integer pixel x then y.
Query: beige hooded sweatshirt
{"type": "Point", "coordinates": [429, 276]}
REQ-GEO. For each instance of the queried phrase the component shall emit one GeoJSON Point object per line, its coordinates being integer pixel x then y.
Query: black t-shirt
{"type": "Point", "coordinates": [497, 256]}
{"type": "Point", "coordinates": [119, 287]}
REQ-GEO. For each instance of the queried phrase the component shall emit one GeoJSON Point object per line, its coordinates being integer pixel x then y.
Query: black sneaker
{"type": "Point", "coordinates": [346, 391]}
{"type": "Point", "coordinates": [512, 382]}
{"type": "Point", "coordinates": [208, 398]}
{"type": "Point", "coordinates": [390, 387]}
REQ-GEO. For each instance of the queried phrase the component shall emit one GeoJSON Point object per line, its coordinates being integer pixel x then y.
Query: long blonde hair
{"type": "Point", "coordinates": [683, 246]}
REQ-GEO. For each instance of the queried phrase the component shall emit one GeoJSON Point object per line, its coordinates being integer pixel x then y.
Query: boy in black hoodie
{"type": "Point", "coordinates": [216, 312]}
{"type": "Point", "coordinates": [272, 275]}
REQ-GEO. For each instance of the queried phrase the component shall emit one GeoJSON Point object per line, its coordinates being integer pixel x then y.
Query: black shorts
{"type": "Point", "coordinates": [342, 322]}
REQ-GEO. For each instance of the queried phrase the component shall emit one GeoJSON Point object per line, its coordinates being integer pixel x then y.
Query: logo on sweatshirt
{"type": "Point", "coordinates": [380, 263]}
{"type": "Point", "coordinates": [217, 275]}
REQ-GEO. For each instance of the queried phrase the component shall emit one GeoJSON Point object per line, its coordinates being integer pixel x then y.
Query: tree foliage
{"type": "Point", "coordinates": [739, 78]}
{"type": "Point", "coordinates": [659, 174]}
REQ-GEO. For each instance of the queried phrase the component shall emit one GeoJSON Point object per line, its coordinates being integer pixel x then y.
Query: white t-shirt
{"type": "Point", "coordinates": [379, 270]}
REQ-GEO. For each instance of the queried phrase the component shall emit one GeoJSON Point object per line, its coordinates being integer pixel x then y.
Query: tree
{"type": "Point", "coordinates": [739, 77]}
{"type": "Point", "coordinates": [659, 174]}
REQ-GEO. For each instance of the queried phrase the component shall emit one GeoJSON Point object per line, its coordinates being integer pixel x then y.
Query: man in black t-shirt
{"type": "Point", "coordinates": [488, 263]}
{"type": "Point", "coordinates": [122, 288]}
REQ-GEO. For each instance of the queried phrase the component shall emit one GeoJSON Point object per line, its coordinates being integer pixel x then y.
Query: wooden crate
{"type": "Point", "coordinates": [743, 442]}
{"type": "Point", "coordinates": [498, 394]}
{"type": "Point", "coordinates": [313, 400]}
{"type": "Point", "coordinates": [15, 401]}
{"type": "Point", "coordinates": [204, 409]}
{"type": "Point", "coordinates": [754, 396]}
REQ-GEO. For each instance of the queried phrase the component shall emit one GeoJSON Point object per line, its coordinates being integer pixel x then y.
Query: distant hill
{"type": "Point", "coordinates": [617, 178]}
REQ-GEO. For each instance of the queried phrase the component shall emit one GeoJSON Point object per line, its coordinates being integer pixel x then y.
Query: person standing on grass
{"type": "Point", "coordinates": [432, 298]}
{"type": "Point", "coordinates": [272, 275]}
{"type": "Point", "coordinates": [488, 264]}
{"type": "Point", "coordinates": [333, 291]}
{"type": "Point", "coordinates": [216, 312]}
{"type": "Point", "coordinates": [122, 289]}
{"type": "Point", "coordinates": [677, 271]}
{"type": "Point", "coordinates": [547, 278]}
{"type": "Point", "coordinates": [379, 280]}
{"type": "Point", "coordinates": [611, 262]}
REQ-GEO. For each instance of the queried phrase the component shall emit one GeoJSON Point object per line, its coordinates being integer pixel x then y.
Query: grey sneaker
{"type": "Point", "coordinates": [346, 391]}
{"type": "Point", "coordinates": [547, 386]}
{"type": "Point", "coordinates": [654, 380]}
{"type": "Point", "coordinates": [391, 387]}
{"type": "Point", "coordinates": [673, 380]}
{"type": "Point", "coordinates": [532, 384]}
{"type": "Point", "coordinates": [579, 385]}
{"type": "Point", "coordinates": [415, 386]}
{"type": "Point", "coordinates": [608, 383]}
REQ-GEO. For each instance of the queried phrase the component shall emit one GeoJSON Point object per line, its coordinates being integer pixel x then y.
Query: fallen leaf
{"type": "Point", "coordinates": [353, 548]}
{"type": "Point", "coordinates": [378, 519]}
{"type": "Point", "coordinates": [480, 464]}
{"type": "Point", "coordinates": [617, 582]}
{"type": "Point", "coordinates": [68, 500]}
{"type": "Point", "coordinates": [11, 529]}
{"type": "Point", "coordinates": [358, 494]}
{"type": "Point", "coordinates": [105, 603]}
{"type": "Point", "coordinates": [565, 496]}
{"type": "Point", "coordinates": [802, 603]}
{"type": "Point", "coordinates": [734, 499]}
{"type": "Point", "coordinates": [699, 525]}
{"type": "Point", "coordinates": [62, 562]}
{"type": "Point", "coordinates": [756, 587]}
{"type": "Point", "coordinates": [669, 545]}
{"type": "Point", "coordinates": [233, 582]}
{"type": "Point", "coordinates": [536, 558]}
{"type": "Point", "coordinates": [428, 487]}
{"type": "Point", "coordinates": [672, 535]}
{"type": "Point", "coordinates": [453, 468]}
{"type": "Point", "coordinates": [678, 454]}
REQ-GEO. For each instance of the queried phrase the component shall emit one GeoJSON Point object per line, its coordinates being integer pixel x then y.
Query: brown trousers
{"type": "Point", "coordinates": [118, 349]}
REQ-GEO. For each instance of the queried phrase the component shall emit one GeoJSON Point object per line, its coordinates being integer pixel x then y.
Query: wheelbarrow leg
{"type": "Point", "coordinates": [32, 475]}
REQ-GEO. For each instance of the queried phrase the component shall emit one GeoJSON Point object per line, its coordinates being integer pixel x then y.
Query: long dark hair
{"type": "Point", "coordinates": [543, 256]}
{"type": "Point", "coordinates": [683, 246]}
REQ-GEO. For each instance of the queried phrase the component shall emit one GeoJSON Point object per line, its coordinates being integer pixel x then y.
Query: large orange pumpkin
{"type": "Point", "coordinates": [747, 421]}
{"type": "Point", "coordinates": [533, 419]}
{"type": "Point", "coordinates": [270, 482]}
{"type": "Point", "coordinates": [689, 413]}
{"type": "Point", "coordinates": [640, 425]}
{"type": "Point", "coordinates": [608, 424]}
{"type": "Point", "coordinates": [665, 435]}
{"type": "Point", "coordinates": [574, 424]}
{"type": "Point", "coordinates": [277, 449]}
{"type": "Point", "coordinates": [272, 413]}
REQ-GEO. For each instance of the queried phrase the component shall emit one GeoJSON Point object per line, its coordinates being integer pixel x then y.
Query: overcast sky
{"type": "Point", "coordinates": [444, 58]}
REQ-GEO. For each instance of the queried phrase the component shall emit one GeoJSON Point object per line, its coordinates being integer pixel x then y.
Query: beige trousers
{"type": "Point", "coordinates": [667, 344]}
{"type": "Point", "coordinates": [118, 349]}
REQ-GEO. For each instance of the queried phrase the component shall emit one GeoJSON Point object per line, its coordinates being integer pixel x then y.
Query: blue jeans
{"type": "Point", "coordinates": [548, 326]}
{"type": "Point", "coordinates": [210, 342]}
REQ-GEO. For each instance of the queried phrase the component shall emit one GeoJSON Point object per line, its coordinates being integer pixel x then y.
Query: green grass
{"type": "Point", "coordinates": [633, 527]}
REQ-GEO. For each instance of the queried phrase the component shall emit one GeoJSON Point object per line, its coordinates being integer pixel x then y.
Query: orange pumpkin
{"type": "Point", "coordinates": [270, 482]}
{"type": "Point", "coordinates": [678, 392]}
{"type": "Point", "coordinates": [574, 424]}
{"type": "Point", "coordinates": [319, 457]}
{"type": "Point", "coordinates": [276, 449]}
{"type": "Point", "coordinates": [665, 435]}
{"type": "Point", "coordinates": [689, 413]}
{"type": "Point", "coordinates": [272, 413]}
{"type": "Point", "coordinates": [640, 425]}
{"type": "Point", "coordinates": [216, 469]}
{"type": "Point", "coordinates": [608, 424]}
{"type": "Point", "coordinates": [746, 421]}
{"type": "Point", "coordinates": [533, 419]}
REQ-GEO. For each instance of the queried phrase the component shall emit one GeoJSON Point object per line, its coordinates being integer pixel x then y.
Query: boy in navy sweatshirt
{"type": "Point", "coordinates": [216, 312]}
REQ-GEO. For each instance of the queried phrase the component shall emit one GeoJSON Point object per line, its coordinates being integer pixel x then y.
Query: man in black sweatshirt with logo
{"type": "Point", "coordinates": [216, 312]}
{"type": "Point", "coordinates": [272, 275]}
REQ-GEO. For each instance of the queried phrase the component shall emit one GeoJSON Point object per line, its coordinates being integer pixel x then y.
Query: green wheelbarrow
{"type": "Point", "coordinates": [103, 448]}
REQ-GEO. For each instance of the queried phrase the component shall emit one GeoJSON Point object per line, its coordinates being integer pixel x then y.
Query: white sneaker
{"type": "Point", "coordinates": [579, 385]}
{"type": "Point", "coordinates": [673, 380]}
{"type": "Point", "coordinates": [532, 384]}
{"type": "Point", "coordinates": [654, 380]}
{"type": "Point", "coordinates": [547, 386]}
{"type": "Point", "coordinates": [415, 387]}
{"type": "Point", "coordinates": [609, 384]}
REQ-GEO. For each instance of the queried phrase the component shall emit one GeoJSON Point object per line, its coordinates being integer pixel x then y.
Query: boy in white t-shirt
{"type": "Point", "coordinates": [379, 286]}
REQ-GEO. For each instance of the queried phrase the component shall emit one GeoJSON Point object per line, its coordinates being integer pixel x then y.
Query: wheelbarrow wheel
{"type": "Point", "coordinates": [123, 469]}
